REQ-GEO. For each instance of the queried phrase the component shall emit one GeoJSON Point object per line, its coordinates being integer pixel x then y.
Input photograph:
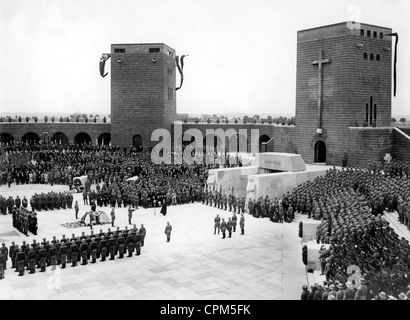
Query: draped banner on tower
{"type": "Point", "coordinates": [180, 69]}
{"type": "Point", "coordinates": [395, 60]}
{"type": "Point", "coordinates": [103, 59]}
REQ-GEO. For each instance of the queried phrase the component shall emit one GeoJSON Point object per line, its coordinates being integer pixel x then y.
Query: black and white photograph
{"type": "Point", "coordinates": [219, 152]}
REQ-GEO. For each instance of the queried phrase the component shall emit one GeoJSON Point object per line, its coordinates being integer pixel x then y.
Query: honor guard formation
{"type": "Point", "coordinates": [84, 249]}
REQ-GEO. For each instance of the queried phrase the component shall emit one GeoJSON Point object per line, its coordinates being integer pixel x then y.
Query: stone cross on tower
{"type": "Point", "coordinates": [320, 62]}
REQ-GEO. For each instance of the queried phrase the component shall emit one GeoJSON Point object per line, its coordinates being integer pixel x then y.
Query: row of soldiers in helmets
{"type": "Point", "coordinates": [342, 201]}
{"type": "Point", "coordinates": [130, 197]}
{"type": "Point", "coordinates": [77, 249]}
{"type": "Point", "coordinates": [222, 201]}
{"type": "Point", "coordinates": [278, 210]}
{"type": "Point", "coordinates": [7, 204]}
{"type": "Point", "coordinates": [51, 201]}
{"type": "Point", "coordinates": [25, 221]}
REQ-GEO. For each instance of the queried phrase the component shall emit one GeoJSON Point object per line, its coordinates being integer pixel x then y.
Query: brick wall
{"type": "Point", "coordinates": [139, 91]}
{"type": "Point", "coordinates": [363, 145]}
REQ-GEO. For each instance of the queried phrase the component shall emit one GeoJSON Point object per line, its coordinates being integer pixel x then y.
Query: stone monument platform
{"type": "Point", "coordinates": [288, 162]}
{"type": "Point", "coordinates": [254, 181]}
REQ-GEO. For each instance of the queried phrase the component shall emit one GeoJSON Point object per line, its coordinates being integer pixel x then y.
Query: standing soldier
{"type": "Point", "coordinates": [34, 223]}
{"type": "Point", "coordinates": [223, 228]}
{"type": "Point", "coordinates": [230, 202]}
{"type": "Point", "coordinates": [103, 248]}
{"type": "Point", "coordinates": [112, 246]}
{"type": "Point", "coordinates": [24, 202]}
{"type": "Point", "coordinates": [84, 251]}
{"type": "Point", "coordinates": [234, 221]}
{"type": "Point", "coordinates": [76, 209]}
{"type": "Point", "coordinates": [229, 226]}
{"type": "Point", "coordinates": [121, 245]}
{"type": "Point", "coordinates": [33, 203]}
{"type": "Point", "coordinates": [142, 232]}
{"type": "Point", "coordinates": [238, 203]}
{"type": "Point", "coordinates": [243, 204]}
{"type": "Point", "coordinates": [119, 200]}
{"type": "Point", "coordinates": [234, 203]}
{"type": "Point", "coordinates": [53, 255]}
{"type": "Point", "coordinates": [225, 201]}
{"type": "Point", "coordinates": [85, 196]}
{"type": "Point", "coordinates": [217, 225]}
{"type": "Point", "coordinates": [3, 263]}
{"type": "Point", "coordinates": [218, 199]}
{"type": "Point", "coordinates": [12, 254]}
{"type": "Point", "coordinates": [63, 252]}
{"type": "Point", "coordinates": [204, 196]}
{"type": "Point", "coordinates": [73, 252]}
{"type": "Point", "coordinates": [250, 206]}
{"type": "Point", "coordinates": [210, 197]}
{"type": "Point", "coordinates": [5, 252]}
{"type": "Point", "coordinates": [112, 216]}
{"type": "Point", "coordinates": [130, 210]}
{"type": "Point", "coordinates": [130, 244]}
{"type": "Point", "coordinates": [281, 213]}
{"type": "Point", "coordinates": [290, 212]}
{"type": "Point", "coordinates": [242, 224]}
{"type": "Point", "coordinates": [20, 261]}
{"type": "Point", "coordinates": [138, 239]}
{"type": "Point", "coordinates": [42, 255]}
{"type": "Point", "coordinates": [32, 258]}
{"type": "Point", "coordinates": [92, 248]}
{"type": "Point", "coordinates": [168, 229]}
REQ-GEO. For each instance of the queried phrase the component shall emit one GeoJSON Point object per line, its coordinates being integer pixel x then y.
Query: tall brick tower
{"type": "Point", "coordinates": [344, 77]}
{"type": "Point", "coordinates": [143, 96]}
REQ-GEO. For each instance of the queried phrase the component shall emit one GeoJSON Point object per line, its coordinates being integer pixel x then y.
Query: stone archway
{"type": "Point", "coordinates": [214, 141]}
{"type": "Point", "coordinates": [104, 139]}
{"type": "Point", "coordinates": [263, 140]}
{"type": "Point", "coordinates": [60, 138]}
{"type": "Point", "coordinates": [30, 138]}
{"type": "Point", "coordinates": [6, 138]}
{"type": "Point", "coordinates": [82, 138]}
{"type": "Point", "coordinates": [320, 152]}
{"type": "Point", "coordinates": [137, 142]}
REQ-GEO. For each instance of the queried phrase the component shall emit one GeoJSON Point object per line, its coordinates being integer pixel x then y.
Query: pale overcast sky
{"type": "Point", "coordinates": [242, 53]}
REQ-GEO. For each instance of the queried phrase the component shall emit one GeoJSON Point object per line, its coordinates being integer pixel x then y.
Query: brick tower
{"type": "Point", "coordinates": [344, 77]}
{"type": "Point", "coordinates": [143, 96]}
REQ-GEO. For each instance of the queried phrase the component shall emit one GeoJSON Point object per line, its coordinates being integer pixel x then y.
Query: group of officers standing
{"type": "Point", "coordinates": [72, 251]}
{"type": "Point", "coordinates": [25, 221]}
{"type": "Point", "coordinates": [51, 201]}
{"type": "Point", "coordinates": [7, 205]}
{"type": "Point", "coordinates": [38, 202]}
{"type": "Point", "coordinates": [222, 226]}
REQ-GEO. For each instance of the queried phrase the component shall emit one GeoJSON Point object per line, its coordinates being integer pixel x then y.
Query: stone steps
{"type": "Point", "coordinates": [399, 228]}
{"type": "Point", "coordinates": [319, 278]}
{"type": "Point", "coordinates": [310, 279]}
{"type": "Point", "coordinates": [315, 277]}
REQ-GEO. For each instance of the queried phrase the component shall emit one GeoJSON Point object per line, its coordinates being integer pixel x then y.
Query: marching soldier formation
{"type": "Point", "coordinates": [78, 249]}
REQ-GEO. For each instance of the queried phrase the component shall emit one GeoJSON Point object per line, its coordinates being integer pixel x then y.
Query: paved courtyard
{"type": "Point", "coordinates": [265, 263]}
